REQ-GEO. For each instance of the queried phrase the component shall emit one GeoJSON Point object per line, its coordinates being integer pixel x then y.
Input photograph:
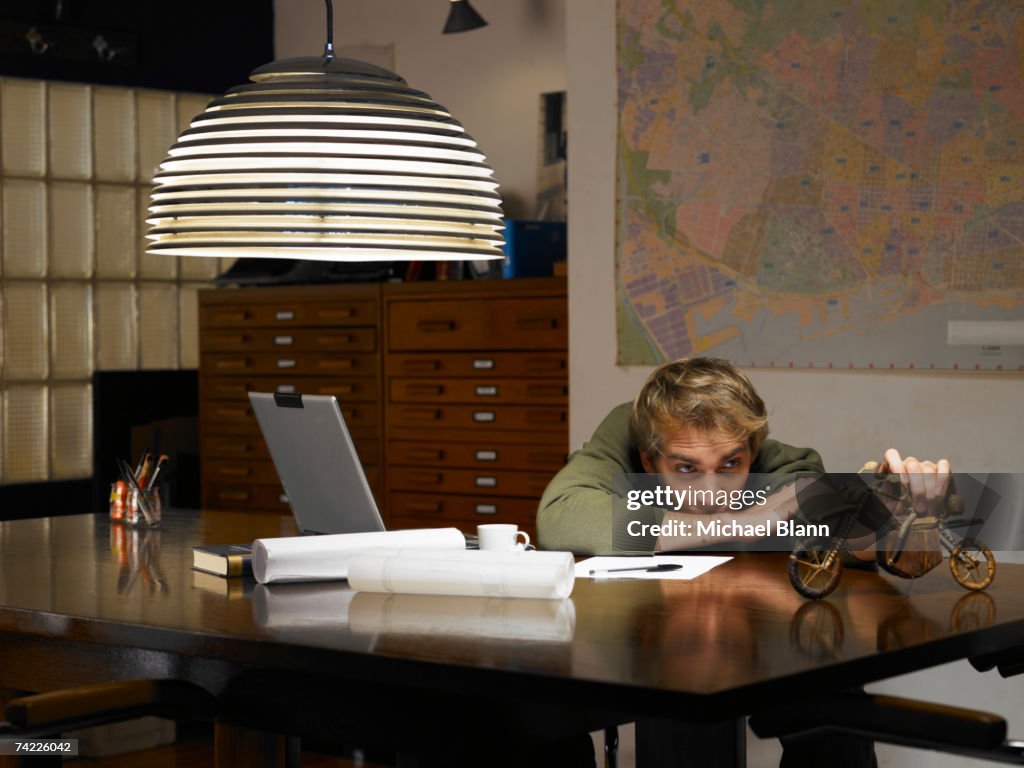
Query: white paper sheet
{"type": "Point", "coordinates": [325, 558]}
{"type": "Point", "coordinates": [474, 573]}
{"type": "Point", "coordinates": [692, 566]}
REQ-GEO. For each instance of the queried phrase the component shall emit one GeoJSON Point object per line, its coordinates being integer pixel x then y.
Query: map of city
{"type": "Point", "coordinates": [821, 183]}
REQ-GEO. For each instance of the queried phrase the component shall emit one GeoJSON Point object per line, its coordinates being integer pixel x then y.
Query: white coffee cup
{"type": "Point", "coordinates": [501, 537]}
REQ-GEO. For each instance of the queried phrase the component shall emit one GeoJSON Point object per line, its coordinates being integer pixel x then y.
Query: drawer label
{"type": "Point", "coordinates": [486, 509]}
{"type": "Point", "coordinates": [483, 364]}
{"type": "Point", "coordinates": [284, 341]}
{"type": "Point", "coordinates": [486, 455]}
{"type": "Point", "coordinates": [486, 390]}
{"type": "Point", "coordinates": [286, 362]}
{"type": "Point", "coordinates": [483, 416]}
{"type": "Point", "coordinates": [284, 314]}
{"type": "Point", "coordinates": [486, 482]}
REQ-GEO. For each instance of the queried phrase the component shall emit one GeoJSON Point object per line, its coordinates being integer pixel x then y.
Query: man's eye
{"type": "Point", "coordinates": [684, 468]}
{"type": "Point", "coordinates": [731, 464]}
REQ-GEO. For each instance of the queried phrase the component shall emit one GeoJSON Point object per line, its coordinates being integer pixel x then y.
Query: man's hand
{"type": "Point", "coordinates": [926, 481]}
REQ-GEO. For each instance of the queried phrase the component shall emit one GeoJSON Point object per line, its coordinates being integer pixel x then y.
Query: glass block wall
{"type": "Point", "coordinates": [77, 292]}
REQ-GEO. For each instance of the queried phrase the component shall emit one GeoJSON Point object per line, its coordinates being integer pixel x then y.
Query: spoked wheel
{"type": "Point", "coordinates": [815, 567]}
{"type": "Point", "coordinates": [972, 565]}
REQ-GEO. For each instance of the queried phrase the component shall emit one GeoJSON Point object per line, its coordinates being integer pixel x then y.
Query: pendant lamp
{"type": "Point", "coordinates": [462, 17]}
{"type": "Point", "coordinates": [326, 159]}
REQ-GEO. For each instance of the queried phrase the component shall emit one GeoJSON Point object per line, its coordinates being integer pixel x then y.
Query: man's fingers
{"type": "Point", "coordinates": [894, 462]}
{"type": "Point", "coordinates": [914, 477]}
{"type": "Point", "coordinates": [942, 478]}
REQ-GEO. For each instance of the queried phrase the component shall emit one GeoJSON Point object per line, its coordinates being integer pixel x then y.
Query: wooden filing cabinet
{"type": "Point", "coordinates": [308, 339]}
{"type": "Point", "coordinates": [476, 411]}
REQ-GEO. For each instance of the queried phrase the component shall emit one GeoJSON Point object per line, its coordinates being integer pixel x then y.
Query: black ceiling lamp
{"type": "Point", "coordinates": [462, 17]}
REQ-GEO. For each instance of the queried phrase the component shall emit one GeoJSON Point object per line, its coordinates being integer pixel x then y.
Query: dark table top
{"type": "Point", "coordinates": [725, 644]}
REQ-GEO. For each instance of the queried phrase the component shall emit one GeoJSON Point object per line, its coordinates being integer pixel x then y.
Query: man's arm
{"type": "Point", "coordinates": [575, 512]}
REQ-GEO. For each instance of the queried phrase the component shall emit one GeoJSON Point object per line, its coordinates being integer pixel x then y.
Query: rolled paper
{"type": "Point", "coordinates": [326, 558]}
{"type": "Point", "coordinates": [474, 573]}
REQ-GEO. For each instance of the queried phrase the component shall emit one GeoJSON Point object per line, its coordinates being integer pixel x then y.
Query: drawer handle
{"type": "Point", "coordinates": [233, 412]}
{"type": "Point", "coordinates": [543, 417]}
{"type": "Point", "coordinates": [234, 471]}
{"type": "Point", "coordinates": [286, 389]}
{"type": "Point", "coordinates": [425, 389]}
{"type": "Point", "coordinates": [347, 338]}
{"type": "Point", "coordinates": [233, 390]}
{"type": "Point", "coordinates": [339, 389]}
{"type": "Point", "coordinates": [486, 390]}
{"type": "Point", "coordinates": [536, 323]}
{"type": "Point", "coordinates": [233, 495]}
{"type": "Point", "coordinates": [337, 363]}
{"type": "Point", "coordinates": [426, 478]}
{"type": "Point", "coordinates": [418, 366]}
{"type": "Point", "coordinates": [546, 460]}
{"type": "Point", "coordinates": [284, 341]}
{"type": "Point", "coordinates": [424, 506]}
{"type": "Point", "coordinates": [484, 417]}
{"type": "Point", "coordinates": [544, 364]}
{"type": "Point", "coordinates": [336, 313]}
{"type": "Point", "coordinates": [230, 447]}
{"type": "Point", "coordinates": [226, 339]}
{"type": "Point", "coordinates": [284, 314]}
{"type": "Point", "coordinates": [425, 454]}
{"type": "Point", "coordinates": [423, 414]}
{"type": "Point", "coordinates": [286, 362]}
{"type": "Point", "coordinates": [486, 455]}
{"type": "Point", "coordinates": [232, 363]}
{"type": "Point", "coordinates": [283, 498]}
{"type": "Point", "coordinates": [435, 326]}
{"type": "Point", "coordinates": [231, 317]}
{"type": "Point", "coordinates": [486, 509]}
{"type": "Point", "coordinates": [483, 364]}
{"type": "Point", "coordinates": [486, 482]}
{"type": "Point", "coordinates": [547, 390]}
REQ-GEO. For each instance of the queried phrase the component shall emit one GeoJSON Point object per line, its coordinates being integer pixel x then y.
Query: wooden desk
{"type": "Point", "coordinates": [83, 601]}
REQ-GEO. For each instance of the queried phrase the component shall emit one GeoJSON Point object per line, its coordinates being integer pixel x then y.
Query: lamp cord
{"type": "Point", "coordinates": [329, 45]}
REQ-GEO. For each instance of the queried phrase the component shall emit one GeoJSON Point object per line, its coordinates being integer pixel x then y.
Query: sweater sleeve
{"type": "Point", "coordinates": [575, 512]}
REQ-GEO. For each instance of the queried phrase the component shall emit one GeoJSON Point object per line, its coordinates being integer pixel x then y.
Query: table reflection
{"type": "Point", "coordinates": [137, 554]}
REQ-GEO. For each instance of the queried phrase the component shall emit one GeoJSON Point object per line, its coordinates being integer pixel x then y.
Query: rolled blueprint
{"type": "Point", "coordinates": [474, 573]}
{"type": "Point", "coordinates": [323, 558]}
{"type": "Point", "coordinates": [500, 618]}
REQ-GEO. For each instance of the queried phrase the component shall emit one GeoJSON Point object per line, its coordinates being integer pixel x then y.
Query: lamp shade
{"type": "Point", "coordinates": [325, 159]}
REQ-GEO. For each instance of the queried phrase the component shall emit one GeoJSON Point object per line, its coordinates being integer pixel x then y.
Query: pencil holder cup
{"type": "Point", "coordinates": [133, 506]}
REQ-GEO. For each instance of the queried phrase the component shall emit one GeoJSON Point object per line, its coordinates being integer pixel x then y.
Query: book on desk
{"type": "Point", "coordinates": [227, 560]}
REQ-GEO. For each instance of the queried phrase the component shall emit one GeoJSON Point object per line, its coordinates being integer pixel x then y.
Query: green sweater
{"type": "Point", "coordinates": [575, 512]}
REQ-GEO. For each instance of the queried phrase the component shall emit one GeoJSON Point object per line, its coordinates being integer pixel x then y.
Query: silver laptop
{"type": "Point", "coordinates": [317, 463]}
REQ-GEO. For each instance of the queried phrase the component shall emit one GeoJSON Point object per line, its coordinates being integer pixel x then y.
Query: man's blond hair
{"type": "Point", "coordinates": [703, 392]}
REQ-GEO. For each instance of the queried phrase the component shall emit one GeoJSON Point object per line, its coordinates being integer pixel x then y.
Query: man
{"type": "Point", "coordinates": [697, 423]}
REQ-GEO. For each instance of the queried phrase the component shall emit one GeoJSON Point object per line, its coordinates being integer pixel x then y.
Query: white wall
{"type": "Point", "coordinates": [490, 79]}
{"type": "Point", "coordinates": [975, 420]}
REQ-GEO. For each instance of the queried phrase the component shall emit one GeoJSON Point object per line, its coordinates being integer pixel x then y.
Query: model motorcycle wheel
{"type": "Point", "coordinates": [815, 567]}
{"type": "Point", "coordinates": [972, 565]}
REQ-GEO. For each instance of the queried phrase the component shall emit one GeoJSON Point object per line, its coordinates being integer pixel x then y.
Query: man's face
{"type": "Point", "coordinates": [698, 459]}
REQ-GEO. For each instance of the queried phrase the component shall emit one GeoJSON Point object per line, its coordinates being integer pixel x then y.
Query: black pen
{"type": "Point", "coordinates": [662, 568]}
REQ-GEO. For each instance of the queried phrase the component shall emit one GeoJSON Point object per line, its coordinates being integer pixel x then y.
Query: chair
{"type": "Point", "coordinates": [47, 715]}
{"type": "Point", "coordinates": [895, 720]}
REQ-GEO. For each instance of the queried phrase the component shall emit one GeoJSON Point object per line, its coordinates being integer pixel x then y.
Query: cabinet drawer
{"type": "Point", "coordinates": [217, 413]}
{"type": "Point", "coordinates": [480, 390]}
{"type": "Point", "coordinates": [299, 339]}
{"type": "Point", "coordinates": [478, 324]}
{"type": "Point", "coordinates": [346, 389]}
{"type": "Point", "coordinates": [408, 510]}
{"type": "Point", "coordinates": [252, 446]}
{"type": "Point", "coordinates": [485, 420]}
{"type": "Point", "coordinates": [469, 481]}
{"type": "Point", "coordinates": [288, 314]}
{"type": "Point", "coordinates": [244, 497]}
{"type": "Point", "coordinates": [257, 472]}
{"type": "Point", "coordinates": [297, 363]}
{"type": "Point", "coordinates": [479, 455]}
{"type": "Point", "coordinates": [474, 365]}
